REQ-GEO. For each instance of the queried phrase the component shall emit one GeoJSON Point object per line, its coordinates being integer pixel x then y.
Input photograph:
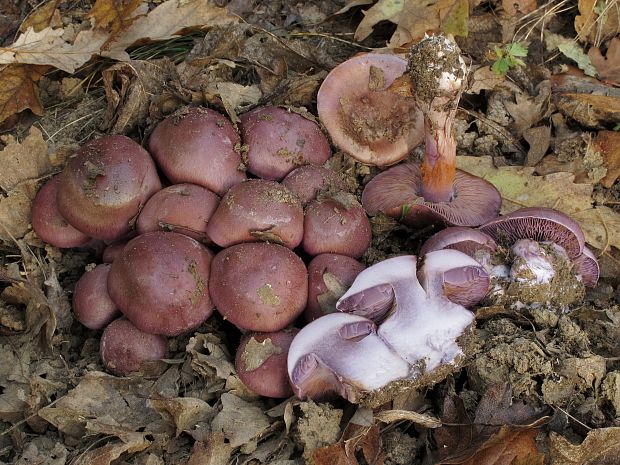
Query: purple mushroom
{"type": "Point", "coordinates": [350, 355]}
{"type": "Point", "coordinates": [435, 192]}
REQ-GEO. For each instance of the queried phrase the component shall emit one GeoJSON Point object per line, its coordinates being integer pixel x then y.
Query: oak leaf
{"type": "Point", "coordinates": [116, 15]}
{"type": "Point", "coordinates": [608, 66]}
{"type": "Point", "coordinates": [18, 90]}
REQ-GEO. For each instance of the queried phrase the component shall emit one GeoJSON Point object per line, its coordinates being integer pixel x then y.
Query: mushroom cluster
{"type": "Point", "coordinates": [212, 239]}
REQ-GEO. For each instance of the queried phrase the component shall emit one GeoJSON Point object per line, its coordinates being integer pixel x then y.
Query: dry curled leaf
{"type": "Point", "coordinates": [589, 109]}
{"type": "Point", "coordinates": [608, 66]}
{"type": "Point", "coordinates": [18, 90]}
{"type": "Point", "coordinates": [607, 143]}
{"type": "Point", "coordinates": [600, 447]}
{"type": "Point", "coordinates": [109, 453]}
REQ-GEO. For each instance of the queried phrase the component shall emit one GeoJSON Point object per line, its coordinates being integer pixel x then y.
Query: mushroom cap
{"type": "Point", "coordinates": [261, 362]}
{"type": "Point", "coordinates": [105, 185]}
{"type": "Point", "coordinates": [92, 304]}
{"type": "Point", "coordinates": [198, 145]}
{"type": "Point", "coordinates": [461, 238]}
{"type": "Point", "coordinates": [259, 286]}
{"type": "Point", "coordinates": [279, 140]}
{"type": "Point", "coordinates": [258, 210]}
{"type": "Point", "coordinates": [395, 192]}
{"type": "Point", "coordinates": [309, 180]}
{"type": "Point", "coordinates": [160, 283]}
{"type": "Point", "coordinates": [49, 224]}
{"type": "Point", "coordinates": [182, 208]}
{"type": "Point", "coordinates": [586, 265]}
{"type": "Point", "coordinates": [363, 118]}
{"type": "Point", "coordinates": [540, 224]}
{"type": "Point", "coordinates": [329, 276]}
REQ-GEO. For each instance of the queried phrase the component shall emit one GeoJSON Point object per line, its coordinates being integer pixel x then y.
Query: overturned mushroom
{"type": "Point", "coordinates": [435, 192]}
{"type": "Point", "coordinates": [420, 340]}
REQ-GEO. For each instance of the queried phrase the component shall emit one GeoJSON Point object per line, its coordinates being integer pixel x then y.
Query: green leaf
{"type": "Point", "coordinates": [517, 49]}
{"type": "Point", "coordinates": [501, 66]}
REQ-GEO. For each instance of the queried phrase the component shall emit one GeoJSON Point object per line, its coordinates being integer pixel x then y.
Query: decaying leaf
{"type": "Point", "coordinates": [210, 359]}
{"type": "Point", "coordinates": [109, 453]}
{"type": "Point", "coordinates": [215, 450]}
{"type": "Point", "coordinates": [527, 111]}
{"type": "Point", "coordinates": [539, 139]}
{"type": "Point", "coordinates": [514, 7]}
{"type": "Point", "coordinates": [520, 188]}
{"type": "Point", "coordinates": [597, 21]}
{"type": "Point", "coordinates": [116, 15]}
{"type": "Point", "coordinates": [484, 79]}
{"type": "Point", "coordinates": [570, 49]}
{"type": "Point", "coordinates": [415, 18]}
{"type": "Point", "coordinates": [18, 90]}
{"type": "Point", "coordinates": [600, 447]}
{"type": "Point", "coordinates": [241, 422]}
{"type": "Point", "coordinates": [43, 16]}
{"type": "Point", "coordinates": [185, 412]}
{"type": "Point", "coordinates": [589, 109]}
{"type": "Point", "coordinates": [608, 66]}
{"type": "Point", "coordinates": [608, 144]}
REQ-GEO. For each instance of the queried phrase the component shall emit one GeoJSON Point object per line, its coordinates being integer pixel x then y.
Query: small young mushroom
{"type": "Point", "coordinates": [435, 192]}
{"type": "Point", "coordinates": [92, 304]}
{"type": "Point", "coordinates": [279, 140]}
{"type": "Point", "coordinates": [261, 362]}
{"type": "Point", "coordinates": [257, 210]}
{"type": "Point", "coordinates": [363, 118]}
{"type": "Point", "coordinates": [124, 348]}
{"type": "Point", "coordinates": [49, 224]}
{"type": "Point", "coordinates": [199, 146]}
{"type": "Point", "coordinates": [182, 208]}
{"type": "Point", "coordinates": [103, 187]}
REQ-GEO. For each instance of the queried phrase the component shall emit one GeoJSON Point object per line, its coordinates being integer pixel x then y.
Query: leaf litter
{"type": "Point", "coordinates": [543, 138]}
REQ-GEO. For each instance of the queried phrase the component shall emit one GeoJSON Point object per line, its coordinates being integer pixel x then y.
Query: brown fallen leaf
{"type": "Point", "coordinates": [596, 26]}
{"type": "Point", "coordinates": [589, 109]}
{"type": "Point", "coordinates": [18, 90]}
{"type": "Point", "coordinates": [608, 144]}
{"type": "Point", "coordinates": [416, 18]}
{"type": "Point", "coordinates": [43, 16]}
{"type": "Point", "coordinates": [116, 15]}
{"type": "Point", "coordinates": [484, 79]}
{"type": "Point", "coordinates": [608, 66]}
{"type": "Point", "coordinates": [109, 453]}
{"type": "Point", "coordinates": [600, 447]}
{"type": "Point", "coordinates": [241, 422]}
{"type": "Point", "coordinates": [539, 139]}
{"type": "Point", "coordinates": [215, 450]}
{"type": "Point", "coordinates": [527, 111]}
{"type": "Point", "coordinates": [185, 412]}
{"type": "Point", "coordinates": [514, 7]}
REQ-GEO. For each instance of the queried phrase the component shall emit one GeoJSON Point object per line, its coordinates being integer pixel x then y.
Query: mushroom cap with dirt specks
{"type": "Point", "coordinates": [309, 180]}
{"type": "Point", "coordinates": [540, 224]}
{"type": "Point", "coordinates": [363, 118]}
{"type": "Point", "coordinates": [396, 192]}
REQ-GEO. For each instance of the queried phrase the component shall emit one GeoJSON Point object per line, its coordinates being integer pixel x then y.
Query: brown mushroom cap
{"type": "Point", "coordinates": [102, 188]}
{"type": "Point", "coordinates": [182, 208]}
{"type": "Point", "coordinates": [159, 281]}
{"type": "Point", "coordinates": [363, 118]}
{"type": "Point", "coordinates": [396, 192]}
{"type": "Point", "coordinates": [279, 140]}
{"type": "Point", "coordinates": [92, 304]}
{"type": "Point", "coordinates": [540, 224]}
{"type": "Point", "coordinates": [261, 362]}
{"type": "Point", "coordinates": [197, 145]}
{"type": "Point", "coordinates": [49, 224]}
{"type": "Point", "coordinates": [257, 210]}
{"type": "Point", "coordinates": [259, 286]}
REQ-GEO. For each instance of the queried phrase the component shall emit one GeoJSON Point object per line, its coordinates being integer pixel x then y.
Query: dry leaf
{"type": "Point", "coordinates": [18, 90]}
{"type": "Point", "coordinates": [608, 144]}
{"type": "Point", "coordinates": [539, 139]}
{"type": "Point", "coordinates": [600, 447]}
{"type": "Point", "coordinates": [43, 16]}
{"type": "Point", "coordinates": [186, 412]}
{"type": "Point", "coordinates": [593, 27]}
{"type": "Point", "coordinates": [527, 111]}
{"type": "Point", "coordinates": [514, 7]}
{"type": "Point", "coordinates": [109, 453]}
{"type": "Point", "coordinates": [589, 109]}
{"type": "Point", "coordinates": [215, 450]}
{"type": "Point", "coordinates": [520, 188]}
{"type": "Point", "coordinates": [116, 15]}
{"type": "Point", "coordinates": [509, 446]}
{"type": "Point", "coordinates": [608, 66]}
{"type": "Point", "coordinates": [240, 421]}
{"type": "Point", "coordinates": [484, 79]}
{"type": "Point", "coordinates": [416, 18]}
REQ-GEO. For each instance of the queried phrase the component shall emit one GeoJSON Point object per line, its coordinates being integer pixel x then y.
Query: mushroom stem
{"type": "Point", "coordinates": [437, 71]}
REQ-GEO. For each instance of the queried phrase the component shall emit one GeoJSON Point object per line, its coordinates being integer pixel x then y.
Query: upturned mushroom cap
{"type": "Point", "coordinates": [279, 140]}
{"type": "Point", "coordinates": [586, 265]}
{"type": "Point", "coordinates": [466, 240]}
{"type": "Point", "coordinates": [363, 118]}
{"type": "Point", "coordinates": [159, 281]}
{"type": "Point", "coordinates": [199, 146]}
{"type": "Point", "coordinates": [49, 224]}
{"type": "Point", "coordinates": [397, 193]}
{"type": "Point", "coordinates": [103, 187]}
{"type": "Point", "coordinates": [540, 224]}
